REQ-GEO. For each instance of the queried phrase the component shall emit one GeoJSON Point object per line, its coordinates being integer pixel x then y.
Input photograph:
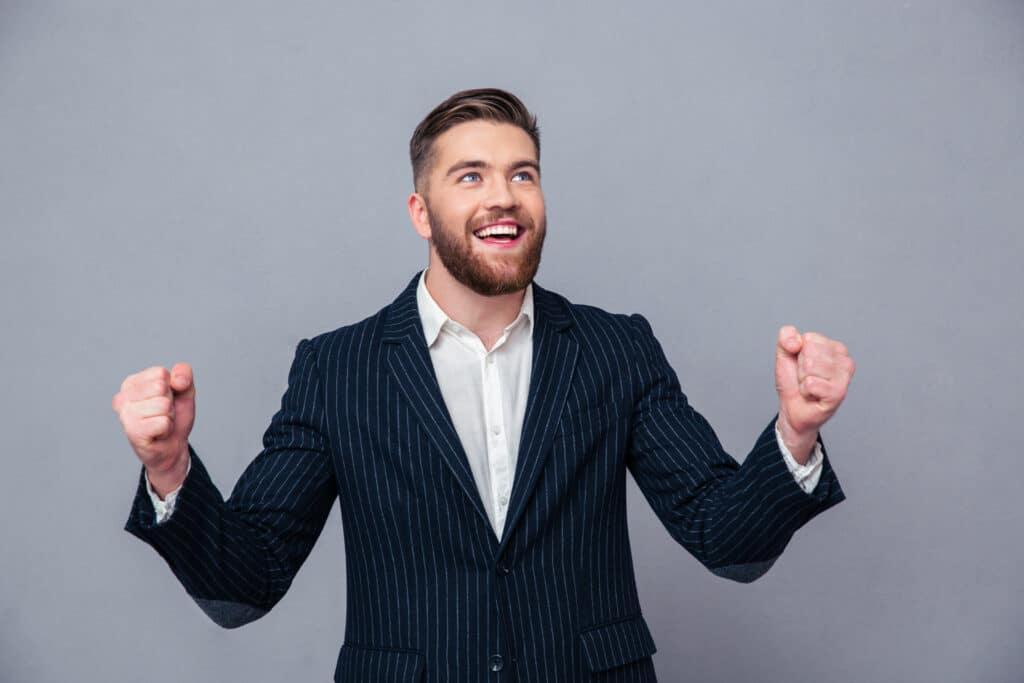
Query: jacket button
{"type": "Point", "coordinates": [503, 569]}
{"type": "Point", "coordinates": [497, 663]}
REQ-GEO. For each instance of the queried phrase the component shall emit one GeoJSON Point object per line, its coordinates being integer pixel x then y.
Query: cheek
{"type": "Point", "coordinates": [533, 202]}
{"type": "Point", "coordinates": [446, 199]}
{"type": "Point", "coordinates": [453, 217]}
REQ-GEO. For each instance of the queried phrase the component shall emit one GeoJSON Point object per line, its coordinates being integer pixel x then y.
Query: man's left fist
{"type": "Point", "coordinates": [812, 374]}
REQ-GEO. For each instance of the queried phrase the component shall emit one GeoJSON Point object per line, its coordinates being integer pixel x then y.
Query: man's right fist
{"type": "Point", "coordinates": [157, 409]}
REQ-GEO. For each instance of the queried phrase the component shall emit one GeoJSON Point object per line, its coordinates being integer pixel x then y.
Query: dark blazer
{"type": "Point", "coordinates": [432, 594]}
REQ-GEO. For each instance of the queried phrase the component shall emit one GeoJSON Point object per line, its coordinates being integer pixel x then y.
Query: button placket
{"type": "Point", "coordinates": [497, 445]}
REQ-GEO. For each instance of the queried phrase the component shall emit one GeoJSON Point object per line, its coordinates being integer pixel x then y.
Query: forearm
{"type": "Point", "coordinates": [761, 506]}
{"type": "Point", "coordinates": [219, 559]}
{"type": "Point", "coordinates": [736, 519]}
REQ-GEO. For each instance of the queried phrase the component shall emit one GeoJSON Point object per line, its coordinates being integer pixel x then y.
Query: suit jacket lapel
{"type": "Point", "coordinates": [410, 364]}
{"type": "Point", "coordinates": [554, 361]}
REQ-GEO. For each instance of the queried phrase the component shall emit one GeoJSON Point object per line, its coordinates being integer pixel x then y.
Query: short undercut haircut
{"type": "Point", "coordinates": [486, 104]}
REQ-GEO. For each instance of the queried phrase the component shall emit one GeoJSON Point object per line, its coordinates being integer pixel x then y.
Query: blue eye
{"type": "Point", "coordinates": [525, 175]}
{"type": "Point", "coordinates": [470, 177]}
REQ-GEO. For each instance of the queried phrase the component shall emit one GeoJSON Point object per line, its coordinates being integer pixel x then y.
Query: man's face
{"type": "Point", "coordinates": [485, 206]}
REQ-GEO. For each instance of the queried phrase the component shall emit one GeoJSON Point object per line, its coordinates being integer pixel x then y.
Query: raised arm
{"type": "Point", "coordinates": [736, 519]}
{"type": "Point", "coordinates": [236, 558]}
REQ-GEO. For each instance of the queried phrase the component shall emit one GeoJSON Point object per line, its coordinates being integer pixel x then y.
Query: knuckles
{"type": "Point", "coordinates": [151, 376]}
{"type": "Point", "coordinates": [814, 340]}
{"type": "Point", "coordinates": [822, 353]}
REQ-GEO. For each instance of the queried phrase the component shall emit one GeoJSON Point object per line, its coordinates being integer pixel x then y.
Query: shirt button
{"type": "Point", "coordinates": [496, 429]}
{"type": "Point", "coordinates": [497, 663]}
{"type": "Point", "coordinates": [490, 360]}
{"type": "Point", "coordinates": [503, 500]}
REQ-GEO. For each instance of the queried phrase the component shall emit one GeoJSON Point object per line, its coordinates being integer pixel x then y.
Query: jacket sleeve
{"type": "Point", "coordinates": [736, 519]}
{"type": "Point", "coordinates": [237, 558]}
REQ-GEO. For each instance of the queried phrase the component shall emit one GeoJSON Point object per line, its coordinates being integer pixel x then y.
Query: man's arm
{"type": "Point", "coordinates": [735, 519]}
{"type": "Point", "coordinates": [237, 558]}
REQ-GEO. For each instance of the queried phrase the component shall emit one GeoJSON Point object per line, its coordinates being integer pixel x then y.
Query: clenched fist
{"type": "Point", "coordinates": [157, 409]}
{"type": "Point", "coordinates": [812, 374]}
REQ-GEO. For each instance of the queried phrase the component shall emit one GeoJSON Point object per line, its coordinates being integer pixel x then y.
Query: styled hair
{"type": "Point", "coordinates": [487, 104]}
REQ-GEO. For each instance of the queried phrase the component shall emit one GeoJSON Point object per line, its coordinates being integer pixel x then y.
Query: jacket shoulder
{"type": "Point", "coordinates": [357, 333]}
{"type": "Point", "coordinates": [598, 325]}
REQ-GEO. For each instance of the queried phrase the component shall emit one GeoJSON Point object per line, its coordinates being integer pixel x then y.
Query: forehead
{"type": "Point", "coordinates": [484, 141]}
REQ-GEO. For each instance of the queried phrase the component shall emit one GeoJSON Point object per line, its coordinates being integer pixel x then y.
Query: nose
{"type": "Point", "coordinates": [500, 196]}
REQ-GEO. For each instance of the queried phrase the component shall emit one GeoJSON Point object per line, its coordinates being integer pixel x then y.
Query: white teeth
{"type": "Point", "coordinates": [503, 229]}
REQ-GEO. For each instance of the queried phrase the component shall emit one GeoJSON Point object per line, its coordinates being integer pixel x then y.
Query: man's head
{"type": "Point", "coordinates": [477, 199]}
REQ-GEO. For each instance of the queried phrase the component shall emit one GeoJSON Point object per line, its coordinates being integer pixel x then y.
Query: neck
{"type": "Point", "coordinates": [485, 316]}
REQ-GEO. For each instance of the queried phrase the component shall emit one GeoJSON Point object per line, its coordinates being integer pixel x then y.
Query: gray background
{"type": "Point", "coordinates": [212, 181]}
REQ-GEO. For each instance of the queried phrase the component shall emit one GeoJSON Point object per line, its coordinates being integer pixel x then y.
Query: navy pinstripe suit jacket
{"type": "Point", "coordinates": [433, 595]}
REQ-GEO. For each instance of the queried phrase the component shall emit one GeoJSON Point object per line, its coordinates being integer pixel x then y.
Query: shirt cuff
{"type": "Point", "coordinates": [164, 508]}
{"type": "Point", "coordinates": [806, 475]}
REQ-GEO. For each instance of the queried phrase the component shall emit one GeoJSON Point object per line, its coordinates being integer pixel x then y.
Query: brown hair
{"type": "Point", "coordinates": [488, 104]}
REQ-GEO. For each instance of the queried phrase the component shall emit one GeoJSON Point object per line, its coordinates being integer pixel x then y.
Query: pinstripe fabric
{"type": "Point", "coordinates": [432, 594]}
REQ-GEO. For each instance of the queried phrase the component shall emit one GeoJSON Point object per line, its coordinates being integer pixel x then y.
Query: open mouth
{"type": "Point", "coordinates": [500, 233]}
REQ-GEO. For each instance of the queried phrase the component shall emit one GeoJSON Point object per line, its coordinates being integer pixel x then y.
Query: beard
{"type": "Point", "coordinates": [504, 273]}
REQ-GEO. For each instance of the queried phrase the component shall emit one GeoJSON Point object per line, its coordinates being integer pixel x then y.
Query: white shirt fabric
{"type": "Point", "coordinates": [485, 392]}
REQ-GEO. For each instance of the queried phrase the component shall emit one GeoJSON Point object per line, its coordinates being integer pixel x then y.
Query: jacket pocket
{"type": "Point", "coordinates": [621, 642]}
{"type": "Point", "coordinates": [357, 664]}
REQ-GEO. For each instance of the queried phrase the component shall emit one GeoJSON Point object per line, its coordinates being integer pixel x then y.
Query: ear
{"type": "Point", "coordinates": [418, 215]}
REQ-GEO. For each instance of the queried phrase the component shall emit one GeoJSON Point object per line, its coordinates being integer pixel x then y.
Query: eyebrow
{"type": "Point", "coordinates": [477, 163]}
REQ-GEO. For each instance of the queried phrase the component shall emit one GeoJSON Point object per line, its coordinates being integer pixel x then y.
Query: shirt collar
{"type": "Point", "coordinates": [433, 318]}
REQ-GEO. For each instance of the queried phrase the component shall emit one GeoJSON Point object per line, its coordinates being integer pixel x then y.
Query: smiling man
{"type": "Point", "coordinates": [476, 433]}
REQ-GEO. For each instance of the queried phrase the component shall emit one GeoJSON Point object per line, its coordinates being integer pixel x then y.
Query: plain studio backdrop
{"type": "Point", "coordinates": [213, 181]}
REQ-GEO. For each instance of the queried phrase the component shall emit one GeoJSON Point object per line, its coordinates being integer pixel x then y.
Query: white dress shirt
{"type": "Point", "coordinates": [485, 392]}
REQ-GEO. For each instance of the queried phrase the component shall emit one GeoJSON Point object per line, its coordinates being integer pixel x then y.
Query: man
{"type": "Point", "coordinates": [477, 433]}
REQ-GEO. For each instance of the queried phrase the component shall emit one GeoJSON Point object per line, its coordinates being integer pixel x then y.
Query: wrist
{"type": "Point", "coordinates": [800, 444]}
{"type": "Point", "coordinates": [164, 480]}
